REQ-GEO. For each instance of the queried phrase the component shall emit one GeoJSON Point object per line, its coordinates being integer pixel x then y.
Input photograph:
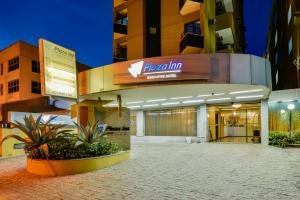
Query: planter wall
{"type": "Point", "coordinates": [75, 166]}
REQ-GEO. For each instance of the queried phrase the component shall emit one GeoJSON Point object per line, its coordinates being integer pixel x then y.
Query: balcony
{"type": "Point", "coordinates": [191, 43]}
{"type": "Point", "coordinates": [189, 6]}
{"type": "Point", "coordinates": [225, 40]}
{"type": "Point", "coordinates": [224, 6]}
{"type": "Point", "coordinates": [119, 2]}
{"type": "Point", "coordinates": [120, 55]}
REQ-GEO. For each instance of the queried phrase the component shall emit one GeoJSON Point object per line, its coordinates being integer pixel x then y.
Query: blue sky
{"type": "Point", "coordinates": [86, 25]}
{"type": "Point", "coordinates": [82, 25]}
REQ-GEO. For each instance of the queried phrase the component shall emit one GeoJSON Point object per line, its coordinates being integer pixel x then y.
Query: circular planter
{"type": "Point", "coordinates": [74, 166]}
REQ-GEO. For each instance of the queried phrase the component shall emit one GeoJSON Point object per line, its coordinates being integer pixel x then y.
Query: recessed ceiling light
{"type": "Point", "coordinates": [246, 91]}
{"type": "Point", "coordinates": [249, 97]}
{"type": "Point", "coordinates": [156, 100]}
{"type": "Point", "coordinates": [209, 95]}
{"type": "Point", "coordinates": [188, 97]}
{"type": "Point", "coordinates": [236, 105]}
{"type": "Point", "coordinates": [170, 103]}
{"type": "Point", "coordinates": [134, 102]}
{"type": "Point", "coordinates": [133, 107]}
{"type": "Point", "coordinates": [150, 105]}
{"type": "Point", "coordinates": [193, 101]}
{"type": "Point", "coordinates": [220, 99]}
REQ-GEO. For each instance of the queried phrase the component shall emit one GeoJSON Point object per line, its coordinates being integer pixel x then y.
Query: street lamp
{"type": "Point", "coordinates": [291, 107]}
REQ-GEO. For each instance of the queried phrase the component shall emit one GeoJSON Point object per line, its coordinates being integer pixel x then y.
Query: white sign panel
{"type": "Point", "coordinates": [59, 74]}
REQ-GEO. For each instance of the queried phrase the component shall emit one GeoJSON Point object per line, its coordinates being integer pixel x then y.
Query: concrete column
{"type": "Point", "coordinates": [202, 123]}
{"type": "Point", "coordinates": [140, 124]}
{"type": "Point", "coordinates": [264, 111]}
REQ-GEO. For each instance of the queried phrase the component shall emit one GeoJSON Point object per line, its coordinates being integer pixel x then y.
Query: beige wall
{"type": "Point", "coordinates": [26, 54]}
{"type": "Point", "coordinates": [7, 148]}
{"type": "Point", "coordinates": [135, 38]}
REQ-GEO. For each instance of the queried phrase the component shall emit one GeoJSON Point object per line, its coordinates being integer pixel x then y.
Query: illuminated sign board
{"type": "Point", "coordinates": [58, 70]}
{"type": "Point", "coordinates": [162, 69]}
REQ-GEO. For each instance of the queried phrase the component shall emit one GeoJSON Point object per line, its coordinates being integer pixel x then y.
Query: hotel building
{"type": "Point", "coordinates": [20, 82]}
{"type": "Point", "coordinates": [283, 44]}
{"type": "Point", "coordinates": [178, 69]}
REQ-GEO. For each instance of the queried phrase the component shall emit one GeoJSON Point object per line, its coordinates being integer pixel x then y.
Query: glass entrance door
{"type": "Point", "coordinates": [234, 123]}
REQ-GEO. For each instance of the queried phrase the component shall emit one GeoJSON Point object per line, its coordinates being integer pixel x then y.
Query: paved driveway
{"type": "Point", "coordinates": [170, 171]}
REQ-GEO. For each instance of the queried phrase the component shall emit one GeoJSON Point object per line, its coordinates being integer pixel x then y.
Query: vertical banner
{"type": "Point", "coordinates": [58, 70]}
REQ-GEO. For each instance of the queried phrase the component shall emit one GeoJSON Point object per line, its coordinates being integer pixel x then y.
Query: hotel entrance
{"type": "Point", "coordinates": [238, 123]}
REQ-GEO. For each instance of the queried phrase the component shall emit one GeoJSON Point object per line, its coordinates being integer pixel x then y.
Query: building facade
{"type": "Point", "coordinates": [283, 44]}
{"type": "Point", "coordinates": [151, 28]}
{"type": "Point", "coordinates": [20, 79]}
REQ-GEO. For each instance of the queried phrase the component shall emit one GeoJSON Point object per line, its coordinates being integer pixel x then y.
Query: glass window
{"type": "Point", "coordinates": [13, 64]}
{"type": "Point", "coordinates": [1, 89]}
{"type": "Point", "coordinates": [276, 37]}
{"type": "Point", "coordinates": [1, 69]}
{"type": "Point", "coordinates": [193, 27]}
{"type": "Point", "coordinates": [35, 87]}
{"type": "Point", "coordinates": [289, 14]}
{"type": "Point", "coordinates": [13, 86]}
{"type": "Point", "coordinates": [171, 122]}
{"type": "Point", "coordinates": [35, 66]}
{"type": "Point", "coordinates": [290, 45]}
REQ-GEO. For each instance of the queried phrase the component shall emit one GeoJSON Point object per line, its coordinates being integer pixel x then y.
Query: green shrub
{"type": "Point", "coordinates": [296, 137]}
{"type": "Point", "coordinates": [65, 149]}
{"type": "Point", "coordinates": [281, 139]}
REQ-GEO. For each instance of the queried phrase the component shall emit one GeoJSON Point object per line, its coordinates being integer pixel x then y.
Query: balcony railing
{"type": "Point", "coordinates": [191, 40]}
{"type": "Point", "coordinates": [120, 28]}
{"type": "Point", "coordinates": [120, 54]}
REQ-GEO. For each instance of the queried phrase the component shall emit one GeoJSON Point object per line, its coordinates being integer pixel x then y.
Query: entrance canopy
{"type": "Point", "coordinates": [179, 80]}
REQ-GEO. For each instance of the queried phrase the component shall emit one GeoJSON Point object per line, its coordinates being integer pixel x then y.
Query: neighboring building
{"type": "Point", "coordinates": [283, 44]}
{"type": "Point", "coordinates": [149, 28]}
{"type": "Point", "coordinates": [20, 77]}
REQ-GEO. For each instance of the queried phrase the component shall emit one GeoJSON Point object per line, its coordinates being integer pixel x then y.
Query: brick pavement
{"type": "Point", "coordinates": [169, 171]}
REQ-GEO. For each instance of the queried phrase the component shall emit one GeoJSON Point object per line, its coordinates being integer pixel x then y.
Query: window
{"type": "Point", "coordinates": [13, 64]}
{"type": "Point", "coordinates": [193, 27]}
{"type": "Point", "coordinates": [35, 66]}
{"type": "Point", "coordinates": [276, 37]}
{"type": "Point", "coordinates": [13, 86]}
{"type": "Point", "coordinates": [1, 69]}
{"type": "Point", "coordinates": [289, 14]}
{"type": "Point", "coordinates": [290, 45]}
{"type": "Point", "coordinates": [1, 89]}
{"type": "Point", "coordinates": [35, 87]}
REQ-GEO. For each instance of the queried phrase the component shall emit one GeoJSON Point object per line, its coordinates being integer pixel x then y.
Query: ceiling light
{"type": "Point", "coordinates": [156, 100]}
{"type": "Point", "coordinates": [220, 99]}
{"type": "Point", "coordinates": [282, 111]}
{"type": "Point", "coordinates": [245, 91]}
{"type": "Point", "coordinates": [249, 97]}
{"type": "Point", "coordinates": [193, 101]}
{"type": "Point", "coordinates": [188, 97]}
{"type": "Point", "coordinates": [150, 105]}
{"type": "Point", "coordinates": [209, 95]}
{"type": "Point", "coordinates": [291, 106]}
{"type": "Point", "coordinates": [237, 105]}
{"type": "Point", "coordinates": [170, 103]}
{"type": "Point", "coordinates": [134, 102]}
{"type": "Point", "coordinates": [133, 107]}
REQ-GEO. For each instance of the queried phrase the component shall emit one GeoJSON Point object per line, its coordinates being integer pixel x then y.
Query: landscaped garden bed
{"type": "Point", "coordinates": [284, 139]}
{"type": "Point", "coordinates": [52, 151]}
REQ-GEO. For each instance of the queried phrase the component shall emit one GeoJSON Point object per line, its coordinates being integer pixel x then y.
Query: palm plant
{"type": "Point", "coordinates": [89, 134]}
{"type": "Point", "coordinates": [38, 134]}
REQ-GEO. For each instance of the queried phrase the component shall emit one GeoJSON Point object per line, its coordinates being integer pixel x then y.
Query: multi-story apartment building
{"type": "Point", "coordinates": [283, 44]}
{"type": "Point", "coordinates": [149, 28]}
{"type": "Point", "coordinates": [20, 77]}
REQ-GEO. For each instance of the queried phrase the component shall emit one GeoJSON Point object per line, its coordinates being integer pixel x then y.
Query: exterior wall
{"type": "Point", "coordinates": [172, 27]}
{"type": "Point", "coordinates": [283, 67]}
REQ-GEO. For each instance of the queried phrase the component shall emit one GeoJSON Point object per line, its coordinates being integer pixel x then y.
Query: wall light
{"type": "Point", "coordinates": [282, 111]}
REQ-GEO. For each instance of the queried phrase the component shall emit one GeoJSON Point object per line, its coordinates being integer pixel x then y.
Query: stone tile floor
{"type": "Point", "coordinates": [169, 171]}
